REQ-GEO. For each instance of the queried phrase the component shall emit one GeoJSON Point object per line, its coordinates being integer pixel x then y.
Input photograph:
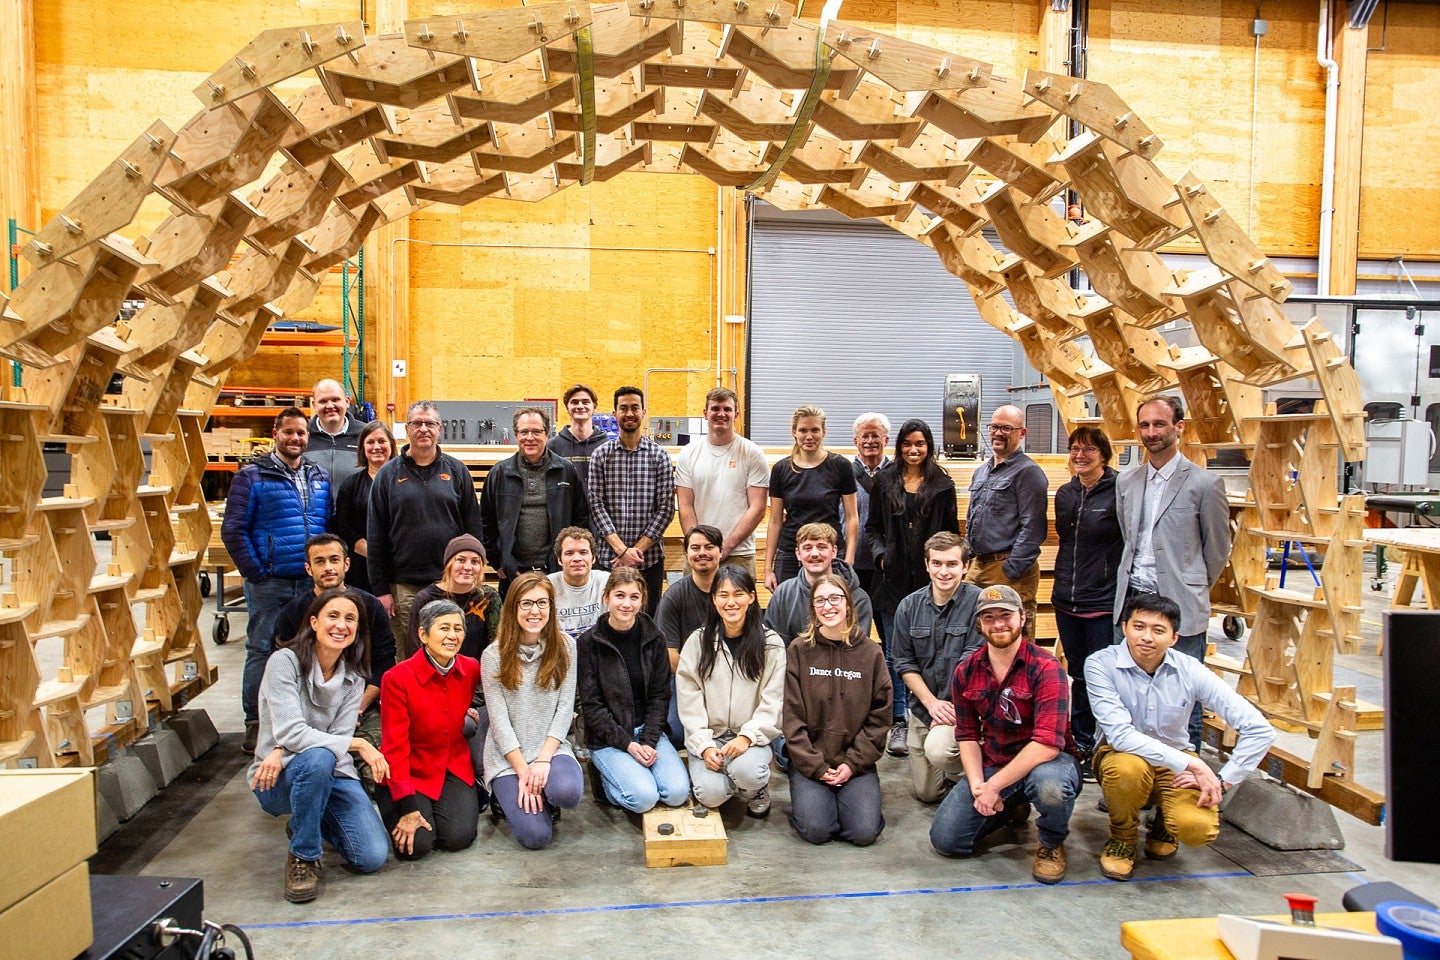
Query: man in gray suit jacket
{"type": "Point", "coordinates": [1176, 526]}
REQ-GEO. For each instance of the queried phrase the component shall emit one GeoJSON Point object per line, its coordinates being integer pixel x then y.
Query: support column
{"type": "Point", "coordinates": [733, 266]}
{"type": "Point", "coordinates": [1350, 56]}
{"type": "Point", "coordinates": [389, 279]}
{"type": "Point", "coordinates": [19, 117]}
{"type": "Point", "coordinates": [1054, 48]}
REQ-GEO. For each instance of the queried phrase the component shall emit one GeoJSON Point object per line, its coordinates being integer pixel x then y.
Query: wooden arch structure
{"type": "Point", "coordinates": [526, 101]}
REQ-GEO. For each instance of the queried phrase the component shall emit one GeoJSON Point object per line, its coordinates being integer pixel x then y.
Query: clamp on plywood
{"type": "Point", "coordinates": [1340, 386]}
{"type": "Point", "coordinates": [276, 55]}
{"type": "Point", "coordinates": [502, 35]}
{"type": "Point", "coordinates": [762, 13]}
{"type": "Point", "coordinates": [1228, 246]}
{"type": "Point", "coordinates": [1096, 106]}
{"type": "Point", "coordinates": [904, 64]}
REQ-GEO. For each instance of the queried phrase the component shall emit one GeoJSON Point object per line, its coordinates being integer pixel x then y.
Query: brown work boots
{"type": "Point", "coordinates": [1049, 864]}
{"type": "Point", "coordinates": [302, 879]}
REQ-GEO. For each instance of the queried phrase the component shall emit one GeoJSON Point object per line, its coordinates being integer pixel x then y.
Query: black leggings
{"type": "Point", "coordinates": [454, 817]}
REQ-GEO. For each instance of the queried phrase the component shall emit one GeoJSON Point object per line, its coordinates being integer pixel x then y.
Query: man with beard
{"type": "Point", "coordinates": [276, 503]}
{"type": "Point", "coordinates": [1176, 525]}
{"type": "Point", "coordinates": [1012, 724]}
{"type": "Point", "coordinates": [632, 497]}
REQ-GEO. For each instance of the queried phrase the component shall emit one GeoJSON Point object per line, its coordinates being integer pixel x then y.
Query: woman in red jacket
{"type": "Point", "coordinates": [430, 799]}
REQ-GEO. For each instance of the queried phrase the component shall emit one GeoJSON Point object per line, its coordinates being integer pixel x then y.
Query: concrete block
{"type": "Point", "coordinates": [1282, 817]}
{"type": "Point", "coordinates": [163, 755]}
{"type": "Point", "coordinates": [106, 822]}
{"type": "Point", "coordinates": [125, 784]}
{"type": "Point", "coordinates": [195, 729]}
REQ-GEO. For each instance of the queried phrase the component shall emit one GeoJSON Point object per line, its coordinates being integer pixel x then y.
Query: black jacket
{"type": "Point", "coordinates": [611, 714]}
{"type": "Point", "coordinates": [500, 507]}
{"type": "Point", "coordinates": [1088, 561]}
{"type": "Point", "coordinates": [897, 543]}
{"type": "Point", "coordinates": [414, 512]}
{"type": "Point", "coordinates": [352, 506]}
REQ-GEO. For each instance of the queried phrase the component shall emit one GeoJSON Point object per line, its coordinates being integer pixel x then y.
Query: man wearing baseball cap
{"type": "Point", "coordinates": [1012, 725]}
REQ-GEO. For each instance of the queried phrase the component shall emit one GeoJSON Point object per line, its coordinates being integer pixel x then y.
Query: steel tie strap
{"type": "Point", "coordinates": [585, 54]}
{"type": "Point", "coordinates": [824, 56]}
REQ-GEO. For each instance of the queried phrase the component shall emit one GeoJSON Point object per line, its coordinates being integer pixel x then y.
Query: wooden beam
{"type": "Point", "coordinates": [389, 277]}
{"type": "Point", "coordinates": [1054, 38]}
{"type": "Point", "coordinates": [1350, 54]}
{"type": "Point", "coordinates": [19, 116]}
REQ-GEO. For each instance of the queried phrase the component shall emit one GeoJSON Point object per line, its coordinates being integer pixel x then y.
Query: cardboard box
{"type": "Point", "coordinates": [691, 841]}
{"type": "Point", "coordinates": [47, 826]}
{"type": "Point", "coordinates": [53, 923]}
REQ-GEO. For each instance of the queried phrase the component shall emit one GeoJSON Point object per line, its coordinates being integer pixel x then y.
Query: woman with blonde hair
{"type": "Point", "coordinates": [812, 485]}
{"type": "Point", "coordinates": [528, 674]}
{"type": "Point", "coordinates": [837, 716]}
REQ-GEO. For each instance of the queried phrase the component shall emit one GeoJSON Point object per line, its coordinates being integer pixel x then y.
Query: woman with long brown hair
{"type": "Point", "coordinates": [528, 674]}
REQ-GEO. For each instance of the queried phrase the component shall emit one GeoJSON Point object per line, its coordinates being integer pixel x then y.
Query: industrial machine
{"type": "Point", "coordinates": [961, 417]}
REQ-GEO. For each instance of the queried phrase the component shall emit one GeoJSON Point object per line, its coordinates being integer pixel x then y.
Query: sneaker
{"type": "Point", "coordinates": [896, 746]}
{"type": "Point", "coordinates": [252, 736]}
{"type": "Point", "coordinates": [1087, 769]}
{"type": "Point", "coordinates": [302, 879]}
{"type": "Point", "coordinates": [1159, 845]}
{"type": "Point", "coordinates": [1117, 860]}
{"type": "Point", "coordinates": [759, 805]}
{"type": "Point", "coordinates": [1049, 864]}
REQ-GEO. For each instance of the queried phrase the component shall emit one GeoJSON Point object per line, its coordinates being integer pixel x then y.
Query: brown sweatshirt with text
{"type": "Point", "coordinates": [837, 705]}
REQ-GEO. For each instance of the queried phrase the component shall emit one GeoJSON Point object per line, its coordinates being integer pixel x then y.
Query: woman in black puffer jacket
{"type": "Point", "coordinates": [1086, 568]}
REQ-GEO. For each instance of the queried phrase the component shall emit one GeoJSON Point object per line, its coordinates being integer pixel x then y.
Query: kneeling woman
{"type": "Point", "coordinates": [529, 680]}
{"type": "Point", "coordinates": [731, 687]}
{"type": "Point", "coordinates": [625, 694]}
{"type": "Point", "coordinates": [837, 716]}
{"type": "Point", "coordinates": [309, 705]}
{"type": "Point", "coordinates": [425, 700]}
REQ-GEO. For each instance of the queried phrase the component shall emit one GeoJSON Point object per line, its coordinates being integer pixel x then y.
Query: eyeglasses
{"type": "Point", "coordinates": [1078, 449]}
{"type": "Point", "coordinates": [1005, 706]}
{"type": "Point", "coordinates": [528, 605]}
{"type": "Point", "coordinates": [530, 433]}
{"type": "Point", "coordinates": [423, 424]}
{"type": "Point", "coordinates": [835, 600]}
{"type": "Point", "coordinates": [1004, 429]}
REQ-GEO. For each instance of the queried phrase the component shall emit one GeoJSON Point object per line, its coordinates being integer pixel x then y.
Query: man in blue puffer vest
{"type": "Point", "coordinates": [276, 503]}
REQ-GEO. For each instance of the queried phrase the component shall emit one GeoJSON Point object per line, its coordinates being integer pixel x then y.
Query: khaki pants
{"type": "Point", "coordinates": [1129, 782]}
{"type": "Point", "coordinates": [404, 596]}
{"type": "Point", "coordinates": [934, 758]}
{"type": "Point", "coordinates": [992, 573]}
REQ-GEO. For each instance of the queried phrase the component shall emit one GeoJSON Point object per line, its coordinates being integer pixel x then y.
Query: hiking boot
{"type": "Point", "coordinates": [759, 805]}
{"type": "Point", "coordinates": [896, 745]}
{"type": "Point", "coordinates": [1049, 864]}
{"type": "Point", "coordinates": [252, 736]}
{"type": "Point", "coordinates": [302, 879]}
{"type": "Point", "coordinates": [1087, 769]}
{"type": "Point", "coordinates": [1117, 860]}
{"type": "Point", "coordinates": [1159, 845]}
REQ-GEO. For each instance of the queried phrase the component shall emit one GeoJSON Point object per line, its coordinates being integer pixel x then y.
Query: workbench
{"type": "Point", "coordinates": [1197, 938]}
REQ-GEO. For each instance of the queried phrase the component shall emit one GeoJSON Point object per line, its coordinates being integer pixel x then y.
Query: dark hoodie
{"type": "Point", "coordinates": [837, 705]}
{"type": "Point", "coordinates": [788, 612]}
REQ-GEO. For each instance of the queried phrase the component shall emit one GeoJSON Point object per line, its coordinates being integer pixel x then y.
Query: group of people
{"type": "Point", "coordinates": [416, 682]}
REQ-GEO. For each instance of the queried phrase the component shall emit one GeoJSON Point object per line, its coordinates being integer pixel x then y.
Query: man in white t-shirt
{"type": "Point", "coordinates": [579, 587]}
{"type": "Point", "coordinates": [723, 481]}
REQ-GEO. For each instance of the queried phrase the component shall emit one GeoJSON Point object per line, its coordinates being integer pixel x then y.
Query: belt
{"type": "Point", "coordinates": [985, 558]}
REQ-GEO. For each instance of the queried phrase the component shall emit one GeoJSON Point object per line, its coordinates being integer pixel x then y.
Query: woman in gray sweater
{"type": "Point", "coordinates": [309, 705]}
{"type": "Point", "coordinates": [730, 686]}
{"type": "Point", "coordinates": [528, 675]}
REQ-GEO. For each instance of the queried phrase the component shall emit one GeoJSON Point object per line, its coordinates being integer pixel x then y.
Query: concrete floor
{"type": "Point", "coordinates": [590, 894]}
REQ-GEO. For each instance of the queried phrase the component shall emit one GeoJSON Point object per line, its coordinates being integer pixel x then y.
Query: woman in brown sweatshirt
{"type": "Point", "coordinates": [837, 716]}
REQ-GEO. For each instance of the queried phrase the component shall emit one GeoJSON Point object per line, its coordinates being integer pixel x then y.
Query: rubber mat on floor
{"type": "Point", "coordinates": [1263, 860]}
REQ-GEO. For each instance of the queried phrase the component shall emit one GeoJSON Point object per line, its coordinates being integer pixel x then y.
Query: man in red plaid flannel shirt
{"type": "Point", "coordinates": [1012, 724]}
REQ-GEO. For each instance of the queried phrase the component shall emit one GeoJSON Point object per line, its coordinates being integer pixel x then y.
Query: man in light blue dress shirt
{"type": "Point", "coordinates": [1142, 693]}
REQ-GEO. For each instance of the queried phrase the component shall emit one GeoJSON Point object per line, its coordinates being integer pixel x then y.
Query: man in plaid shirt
{"type": "Point", "coordinates": [1012, 724]}
{"type": "Point", "coordinates": [632, 497]}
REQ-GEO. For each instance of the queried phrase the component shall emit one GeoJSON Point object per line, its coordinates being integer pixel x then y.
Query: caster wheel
{"type": "Point", "coordinates": [204, 584]}
{"type": "Point", "coordinates": [1377, 585]}
{"type": "Point", "coordinates": [221, 632]}
{"type": "Point", "coordinates": [1234, 628]}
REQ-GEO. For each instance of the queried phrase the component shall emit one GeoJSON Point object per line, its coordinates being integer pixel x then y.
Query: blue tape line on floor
{"type": "Point", "coordinates": [736, 901]}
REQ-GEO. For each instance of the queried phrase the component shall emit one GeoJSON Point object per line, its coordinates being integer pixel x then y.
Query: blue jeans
{"type": "Point", "coordinates": [1051, 789]}
{"type": "Point", "coordinates": [885, 623]}
{"type": "Point", "coordinates": [820, 812]}
{"type": "Point", "coordinates": [1080, 637]}
{"type": "Point", "coordinates": [636, 787]}
{"type": "Point", "coordinates": [264, 600]}
{"type": "Point", "coordinates": [323, 806]}
{"type": "Point", "coordinates": [1194, 645]}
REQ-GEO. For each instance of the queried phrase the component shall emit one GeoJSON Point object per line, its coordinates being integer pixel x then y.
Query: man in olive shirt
{"type": "Point", "coordinates": [1007, 519]}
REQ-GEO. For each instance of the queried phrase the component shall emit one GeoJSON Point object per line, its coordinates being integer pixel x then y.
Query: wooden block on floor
{"type": "Point", "coordinates": [693, 841]}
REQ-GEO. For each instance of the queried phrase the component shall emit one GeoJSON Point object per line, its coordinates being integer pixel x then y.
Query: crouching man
{"type": "Point", "coordinates": [1142, 694]}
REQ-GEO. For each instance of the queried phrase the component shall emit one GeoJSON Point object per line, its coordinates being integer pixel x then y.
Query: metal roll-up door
{"type": "Point", "coordinates": [856, 317]}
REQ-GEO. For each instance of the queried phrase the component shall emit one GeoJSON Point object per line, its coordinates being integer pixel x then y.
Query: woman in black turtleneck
{"type": "Point", "coordinates": [624, 677]}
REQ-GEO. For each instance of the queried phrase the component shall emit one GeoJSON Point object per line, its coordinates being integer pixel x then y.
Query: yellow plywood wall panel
{"type": "Point", "coordinates": [539, 297]}
{"type": "Point", "coordinates": [1189, 71]}
{"type": "Point", "coordinates": [1399, 195]}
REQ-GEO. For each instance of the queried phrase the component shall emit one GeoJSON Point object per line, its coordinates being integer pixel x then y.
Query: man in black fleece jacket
{"type": "Point", "coordinates": [419, 502]}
